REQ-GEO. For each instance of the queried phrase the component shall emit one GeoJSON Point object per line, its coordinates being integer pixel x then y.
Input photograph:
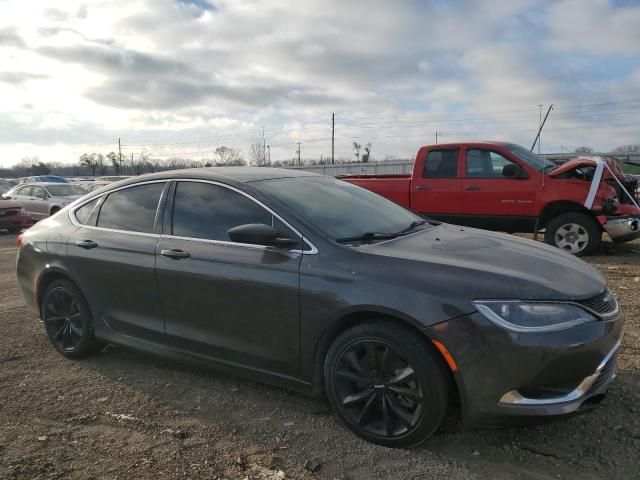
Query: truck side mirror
{"type": "Point", "coordinates": [512, 170]}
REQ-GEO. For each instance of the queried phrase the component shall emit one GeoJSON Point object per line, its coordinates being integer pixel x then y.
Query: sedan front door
{"type": "Point", "coordinates": [231, 302]}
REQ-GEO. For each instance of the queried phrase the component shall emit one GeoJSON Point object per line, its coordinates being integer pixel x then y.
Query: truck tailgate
{"type": "Point", "coordinates": [394, 187]}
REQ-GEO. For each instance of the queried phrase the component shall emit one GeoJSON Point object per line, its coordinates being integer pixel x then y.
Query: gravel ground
{"type": "Point", "coordinates": [122, 414]}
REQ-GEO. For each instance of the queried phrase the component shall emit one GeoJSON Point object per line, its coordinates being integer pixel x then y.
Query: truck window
{"type": "Point", "coordinates": [485, 164]}
{"type": "Point", "coordinates": [441, 164]}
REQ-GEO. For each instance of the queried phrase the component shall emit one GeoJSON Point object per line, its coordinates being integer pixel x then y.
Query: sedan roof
{"type": "Point", "coordinates": [223, 174]}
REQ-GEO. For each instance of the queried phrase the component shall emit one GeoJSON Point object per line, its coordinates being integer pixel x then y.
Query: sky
{"type": "Point", "coordinates": [182, 77]}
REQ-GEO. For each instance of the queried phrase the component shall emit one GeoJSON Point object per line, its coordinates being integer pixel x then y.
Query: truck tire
{"type": "Point", "coordinates": [574, 232]}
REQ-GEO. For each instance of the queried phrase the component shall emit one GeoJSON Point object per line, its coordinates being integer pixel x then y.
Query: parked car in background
{"type": "Point", "coordinates": [5, 185]}
{"type": "Point", "coordinates": [505, 187]}
{"type": "Point", "coordinates": [313, 283]}
{"type": "Point", "coordinates": [91, 186]}
{"type": "Point", "coordinates": [44, 199]}
{"type": "Point", "coordinates": [44, 179]}
{"type": "Point", "coordinates": [13, 217]}
{"type": "Point", "coordinates": [113, 178]}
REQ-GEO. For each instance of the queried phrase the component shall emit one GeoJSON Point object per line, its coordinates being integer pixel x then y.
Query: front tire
{"type": "Point", "coordinates": [54, 210]}
{"type": "Point", "coordinates": [68, 320]}
{"type": "Point", "coordinates": [574, 232]}
{"type": "Point", "coordinates": [386, 384]}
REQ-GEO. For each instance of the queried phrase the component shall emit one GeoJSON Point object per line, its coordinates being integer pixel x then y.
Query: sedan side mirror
{"type": "Point", "coordinates": [260, 234]}
{"type": "Point", "coordinates": [511, 170]}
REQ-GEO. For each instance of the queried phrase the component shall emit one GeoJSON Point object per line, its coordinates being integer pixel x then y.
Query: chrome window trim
{"type": "Point", "coordinates": [313, 249]}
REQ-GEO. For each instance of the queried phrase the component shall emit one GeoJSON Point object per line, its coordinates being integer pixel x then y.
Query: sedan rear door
{"type": "Point", "coordinates": [113, 253]}
{"type": "Point", "coordinates": [231, 302]}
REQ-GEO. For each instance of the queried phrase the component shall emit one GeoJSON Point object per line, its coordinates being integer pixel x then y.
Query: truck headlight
{"type": "Point", "coordinates": [533, 317]}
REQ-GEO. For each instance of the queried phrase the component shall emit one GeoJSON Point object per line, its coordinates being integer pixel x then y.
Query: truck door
{"type": "Point", "coordinates": [436, 186]}
{"type": "Point", "coordinates": [492, 196]}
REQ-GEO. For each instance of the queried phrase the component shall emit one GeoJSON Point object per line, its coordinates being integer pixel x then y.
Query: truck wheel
{"type": "Point", "coordinates": [574, 232]}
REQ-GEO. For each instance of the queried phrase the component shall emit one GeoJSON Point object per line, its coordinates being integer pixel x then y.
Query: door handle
{"type": "Point", "coordinates": [87, 244]}
{"type": "Point", "coordinates": [472, 188]}
{"type": "Point", "coordinates": [175, 254]}
{"type": "Point", "coordinates": [422, 187]}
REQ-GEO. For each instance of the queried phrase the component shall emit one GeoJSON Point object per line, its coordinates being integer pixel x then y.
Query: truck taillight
{"type": "Point", "coordinates": [19, 239]}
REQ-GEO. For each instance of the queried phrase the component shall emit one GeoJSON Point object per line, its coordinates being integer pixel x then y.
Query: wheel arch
{"type": "Point", "coordinates": [356, 317]}
{"type": "Point", "coordinates": [47, 278]}
{"type": "Point", "coordinates": [553, 209]}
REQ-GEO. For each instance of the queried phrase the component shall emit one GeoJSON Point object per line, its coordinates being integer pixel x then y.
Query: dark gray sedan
{"type": "Point", "coordinates": [315, 284]}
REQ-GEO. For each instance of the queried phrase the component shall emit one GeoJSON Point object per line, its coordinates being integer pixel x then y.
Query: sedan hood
{"type": "Point", "coordinates": [485, 264]}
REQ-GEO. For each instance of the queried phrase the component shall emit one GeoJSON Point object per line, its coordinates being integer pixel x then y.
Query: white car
{"type": "Point", "coordinates": [44, 199]}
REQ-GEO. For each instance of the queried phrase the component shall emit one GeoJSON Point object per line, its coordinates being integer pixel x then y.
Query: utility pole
{"type": "Point", "coordinates": [333, 137]}
{"type": "Point", "coordinates": [264, 145]}
{"type": "Point", "coordinates": [131, 163]}
{"type": "Point", "coordinates": [299, 162]}
{"type": "Point", "coordinates": [120, 154]}
{"type": "Point", "coordinates": [269, 154]}
{"type": "Point", "coordinates": [436, 137]}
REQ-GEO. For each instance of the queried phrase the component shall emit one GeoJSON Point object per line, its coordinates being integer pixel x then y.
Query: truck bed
{"type": "Point", "coordinates": [393, 187]}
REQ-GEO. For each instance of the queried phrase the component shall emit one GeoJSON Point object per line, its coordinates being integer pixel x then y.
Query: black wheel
{"type": "Point", "coordinates": [14, 229]}
{"type": "Point", "coordinates": [386, 384]}
{"type": "Point", "coordinates": [54, 210]}
{"type": "Point", "coordinates": [574, 232]}
{"type": "Point", "coordinates": [68, 321]}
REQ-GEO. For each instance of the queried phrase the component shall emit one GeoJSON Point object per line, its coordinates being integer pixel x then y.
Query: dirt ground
{"type": "Point", "coordinates": [122, 414]}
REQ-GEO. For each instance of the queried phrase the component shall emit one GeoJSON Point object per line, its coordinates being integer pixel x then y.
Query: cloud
{"type": "Point", "coordinates": [392, 72]}
{"type": "Point", "coordinates": [9, 38]}
{"type": "Point", "coordinates": [594, 26]}
{"type": "Point", "coordinates": [18, 78]}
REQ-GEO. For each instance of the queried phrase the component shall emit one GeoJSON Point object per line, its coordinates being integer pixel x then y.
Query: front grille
{"type": "Point", "coordinates": [603, 304]}
{"type": "Point", "coordinates": [8, 212]}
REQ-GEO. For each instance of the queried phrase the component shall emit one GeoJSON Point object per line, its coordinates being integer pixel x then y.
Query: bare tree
{"type": "Point", "coordinates": [229, 156]}
{"type": "Point", "coordinates": [257, 154]}
{"type": "Point", "coordinates": [367, 153]}
{"type": "Point", "coordinates": [357, 147]}
{"type": "Point", "coordinates": [584, 150]}
{"type": "Point", "coordinates": [113, 158]}
{"type": "Point", "coordinates": [88, 162]}
{"type": "Point", "coordinates": [632, 148]}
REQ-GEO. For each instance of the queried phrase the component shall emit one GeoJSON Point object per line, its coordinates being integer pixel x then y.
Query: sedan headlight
{"type": "Point", "coordinates": [533, 317]}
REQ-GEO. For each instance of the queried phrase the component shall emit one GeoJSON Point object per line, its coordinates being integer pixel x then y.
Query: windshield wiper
{"type": "Point", "coordinates": [368, 236]}
{"type": "Point", "coordinates": [380, 235]}
{"type": "Point", "coordinates": [413, 225]}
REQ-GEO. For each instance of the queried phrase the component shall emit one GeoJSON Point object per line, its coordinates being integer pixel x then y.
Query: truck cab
{"type": "Point", "coordinates": [503, 186]}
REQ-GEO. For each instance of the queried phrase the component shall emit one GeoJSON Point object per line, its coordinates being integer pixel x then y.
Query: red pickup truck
{"type": "Point", "coordinates": [505, 187]}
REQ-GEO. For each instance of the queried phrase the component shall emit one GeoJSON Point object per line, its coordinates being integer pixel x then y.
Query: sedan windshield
{"type": "Point", "coordinates": [340, 209]}
{"type": "Point", "coordinates": [65, 190]}
{"type": "Point", "coordinates": [536, 161]}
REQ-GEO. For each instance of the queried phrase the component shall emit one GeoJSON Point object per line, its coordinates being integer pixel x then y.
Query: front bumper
{"type": "Point", "coordinates": [623, 229]}
{"type": "Point", "coordinates": [507, 378]}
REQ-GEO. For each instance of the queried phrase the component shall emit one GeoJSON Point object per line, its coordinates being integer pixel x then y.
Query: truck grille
{"type": "Point", "coordinates": [604, 304]}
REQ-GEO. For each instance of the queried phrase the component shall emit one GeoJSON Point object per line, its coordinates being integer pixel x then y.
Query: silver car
{"type": "Point", "coordinates": [44, 199]}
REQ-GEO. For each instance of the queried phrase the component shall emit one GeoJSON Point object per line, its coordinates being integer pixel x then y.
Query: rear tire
{"type": "Point", "coordinates": [574, 232]}
{"type": "Point", "coordinates": [386, 384]}
{"type": "Point", "coordinates": [54, 210]}
{"type": "Point", "coordinates": [68, 320]}
{"type": "Point", "coordinates": [14, 229]}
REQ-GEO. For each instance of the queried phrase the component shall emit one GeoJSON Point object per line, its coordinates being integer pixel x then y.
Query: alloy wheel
{"type": "Point", "coordinates": [572, 237]}
{"type": "Point", "coordinates": [378, 390]}
{"type": "Point", "coordinates": [63, 319]}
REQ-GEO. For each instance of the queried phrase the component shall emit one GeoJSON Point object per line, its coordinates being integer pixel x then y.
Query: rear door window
{"type": "Point", "coordinates": [485, 164]}
{"type": "Point", "coordinates": [441, 164]}
{"type": "Point", "coordinates": [203, 210]}
{"type": "Point", "coordinates": [131, 209]}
